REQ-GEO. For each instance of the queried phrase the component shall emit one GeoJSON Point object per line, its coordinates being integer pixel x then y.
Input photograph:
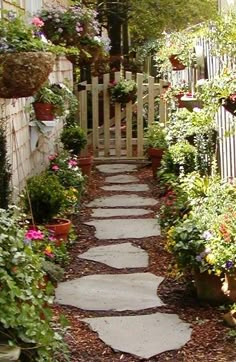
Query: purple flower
{"type": "Point", "coordinates": [229, 264]}
{"type": "Point", "coordinates": [207, 235]}
{"type": "Point", "coordinates": [199, 258]}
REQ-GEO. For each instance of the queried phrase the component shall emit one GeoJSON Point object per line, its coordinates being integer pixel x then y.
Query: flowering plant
{"type": "Point", "coordinates": [18, 36]}
{"type": "Point", "coordinates": [174, 91]}
{"type": "Point", "coordinates": [155, 136]}
{"type": "Point", "coordinates": [69, 26]}
{"type": "Point", "coordinates": [66, 169]}
{"type": "Point", "coordinates": [123, 91]}
{"type": "Point", "coordinates": [24, 305]}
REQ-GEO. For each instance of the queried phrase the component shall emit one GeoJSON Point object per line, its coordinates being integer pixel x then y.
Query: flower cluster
{"type": "Point", "coordinates": [17, 36]}
{"type": "Point", "coordinates": [69, 175]}
{"type": "Point", "coordinates": [123, 91]}
{"type": "Point", "coordinates": [68, 26]}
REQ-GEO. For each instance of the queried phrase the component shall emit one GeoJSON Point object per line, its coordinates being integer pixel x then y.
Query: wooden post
{"type": "Point", "coordinates": [151, 100]}
{"type": "Point", "coordinates": [106, 107]}
{"type": "Point", "coordinates": [140, 115]}
{"type": "Point", "coordinates": [118, 122]}
{"type": "Point", "coordinates": [95, 115]}
{"type": "Point", "coordinates": [129, 125]}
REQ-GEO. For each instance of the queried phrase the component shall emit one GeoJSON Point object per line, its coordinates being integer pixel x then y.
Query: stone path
{"type": "Point", "coordinates": [143, 335]}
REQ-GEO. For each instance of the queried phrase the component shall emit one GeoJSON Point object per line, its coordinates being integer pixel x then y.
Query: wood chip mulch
{"type": "Point", "coordinates": [209, 341]}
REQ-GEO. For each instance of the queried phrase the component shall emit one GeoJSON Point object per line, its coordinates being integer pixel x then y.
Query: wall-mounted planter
{"type": "Point", "coordinates": [38, 128]}
{"type": "Point", "coordinates": [190, 102]}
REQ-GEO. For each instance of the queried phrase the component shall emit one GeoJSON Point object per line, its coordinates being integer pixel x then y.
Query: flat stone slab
{"type": "Point", "coordinates": [117, 168]}
{"type": "Point", "coordinates": [144, 336]}
{"type": "Point", "coordinates": [129, 187]}
{"type": "Point", "coordinates": [122, 201]}
{"type": "Point", "coordinates": [111, 292]}
{"type": "Point", "coordinates": [119, 212]}
{"type": "Point", "coordinates": [121, 179]}
{"type": "Point", "coordinates": [125, 228]}
{"type": "Point", "coordinates": [118, 256]}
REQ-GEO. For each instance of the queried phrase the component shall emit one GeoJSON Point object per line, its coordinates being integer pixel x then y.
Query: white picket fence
{"type": "Point", "coordinates": [118, 131]}
{"type": "Point", "coordinates": [224, 120]}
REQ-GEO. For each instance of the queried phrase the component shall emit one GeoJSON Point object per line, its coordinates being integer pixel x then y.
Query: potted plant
{"type": "Point", "coordinates": [175, 92]}
{"type": "Point", "coordinates": [74, 141]}
{"type": "Point", "coordinates": [45, 198]}
{"type": "Point", "coordinates": [155, 143]}
{"type": "Point", "coordinates": [52, 100]}
{"type": "Point", "coordinates": [123, 91]}
{"type": "Point", "coordinates": [26, 60]}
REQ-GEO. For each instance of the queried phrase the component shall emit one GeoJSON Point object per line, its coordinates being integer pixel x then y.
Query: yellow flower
{"type": "Point", "coordinates": [218, 272]}
{"type": "Point", "coordinates": [210, 258]}
{"type": "Point", "coordinates": [48, 249]}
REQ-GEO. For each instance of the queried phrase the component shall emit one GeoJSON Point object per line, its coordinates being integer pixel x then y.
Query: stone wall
{"type": "Point", "coordinates": [28, 148]}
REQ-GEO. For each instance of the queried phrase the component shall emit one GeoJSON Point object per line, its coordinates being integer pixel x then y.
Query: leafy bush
{"type": "Point", "coordinates": [123, 91]}
{"type": "Point", "coordinates": [155, 136]}
{"type": "Point", "coordinates": [73, 139]}
{"type": "Point", "coordinates": [47, 197]}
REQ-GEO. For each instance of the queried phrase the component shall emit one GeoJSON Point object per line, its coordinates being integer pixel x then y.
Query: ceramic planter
{"type": "Point", "coordinates": [190, 102]}
{"type": "Point", "coordinates": [176, 63]}
{"type": "Point", "coordinates": [23, 73]}
{"type": "Point", "coordinates": [155, 155]}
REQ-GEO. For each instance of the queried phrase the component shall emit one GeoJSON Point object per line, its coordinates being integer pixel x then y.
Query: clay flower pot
{"type": "Point", "coordinates": [44, 111]}
{"type": "Point", "coordinates": [208, 288]}
{"type": "Point", "coordinates": [229, 286]}
{"type": "Point", "coordinates": [156, 156]}
{"type": "Point", "coordinates": [85, 164]}
{"type": "Point", "coordinates": [176, 63]}
{"type": "Point", "coordinates": [60, 228]}
{"type": "Point", "coordinates": [229, 104]}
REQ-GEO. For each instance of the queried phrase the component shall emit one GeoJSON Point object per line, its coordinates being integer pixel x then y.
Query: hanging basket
{"type": "Point", "coordinates": [22, 74]}
{"type": "Point", "coordinates": [229, 104]}
{"type": "Point", "coordinates": [176, 63]}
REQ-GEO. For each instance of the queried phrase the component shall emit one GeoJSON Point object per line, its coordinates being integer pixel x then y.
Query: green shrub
{"type": "Point", "coordinates": [47, 197]}
{"type": "Point", "coordinates": [73, 139]}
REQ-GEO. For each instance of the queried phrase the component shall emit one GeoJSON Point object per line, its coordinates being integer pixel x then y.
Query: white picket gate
{"type": "Point", "coordinates": [117, 131]}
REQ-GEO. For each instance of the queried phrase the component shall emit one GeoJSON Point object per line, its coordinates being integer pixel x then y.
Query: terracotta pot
{"type": "Point", "coordinates": [176, 63]}
{"type": "Point", "coordinates": [60, 228]}
{"type": "Point", "coordinates": [229, 105]}
{"type": "Point", "coordinates": [229, 286]}
{"type": "Point", "coordinates": [23, 73]}
{"type": "Point", "coordinates": [156, 155]}
{"type": "Point", "coordinates": [85, 164]}
{"type": "Point", "coordinates": [208, 287]}
{"type": "Point", "coordinates": [44, 111]}
{"type": "Point", "coordinates": [178, 97]}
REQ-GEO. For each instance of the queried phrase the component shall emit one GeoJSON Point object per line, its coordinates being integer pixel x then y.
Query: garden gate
{"type": "Point", "coordinates": [116, 131]}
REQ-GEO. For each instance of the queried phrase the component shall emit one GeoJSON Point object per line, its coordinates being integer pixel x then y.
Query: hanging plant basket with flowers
{"type": "Point", "coordinates": [69, 26]}
{"type": "Point", "coordinates": [229, 103]}
{"type": "Point", "coordinates": [124, 91]}
{"type": "Point", "coordinates": [24, 57]}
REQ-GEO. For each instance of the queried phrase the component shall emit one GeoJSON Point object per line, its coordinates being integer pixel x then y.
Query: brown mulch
{"type": "Point", "coordinates": [209, 341]}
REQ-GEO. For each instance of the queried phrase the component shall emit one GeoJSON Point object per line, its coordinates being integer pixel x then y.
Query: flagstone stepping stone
{"type": "Point", "coordinates": [119, 212]}
{"type": "Point", "coordinates": [111, 292]}
{"type": "Point", "coordinates": [121, 179]}
{"type": "Point", "coordinates": [117, 168]}
{"type": "Point", "coordinates": [122, 201]}
{"type": "Point", "coordinates": [118, 256]}
{"type": "Point", "coordinates": [129, 187]}
{"type": "Point", "coordinates": [144, 336]}
{"type": "Point", "coordinates": [125, 228]}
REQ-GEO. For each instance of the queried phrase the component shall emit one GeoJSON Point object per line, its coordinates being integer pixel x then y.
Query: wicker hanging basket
{"type": "Point", "coordinates": [22, 74]}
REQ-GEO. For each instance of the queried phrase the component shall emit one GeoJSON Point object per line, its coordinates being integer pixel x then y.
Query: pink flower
{"type": "Point", "coordinates": [37, 22]}
{"type": "Point", "coordinates": [34, 235]}
{"type": "Point", "coordinates": [52, 157]}
{"type": "Point", "coordinates": [55, 168]}
{"type": "Point", "coordinates": [72, 163]}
